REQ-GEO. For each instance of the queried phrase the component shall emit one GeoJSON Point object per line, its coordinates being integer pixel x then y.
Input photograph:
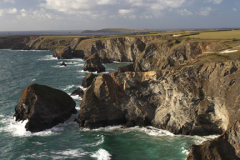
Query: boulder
{"type": "Point", "coordinates": [87, 80]}
{"type": "Point", "coordinates": [93, 64]}
{"type": "Point", "coordinates": [63, 52]}
{"type": "Point", "coordinates": [78, 92]}
{"type": "Point", "coordinates": [63, 64]}
{"type": "Point", "coordinates": [43, 107]}
{"type": "Point", "coordinates": [225, 147]}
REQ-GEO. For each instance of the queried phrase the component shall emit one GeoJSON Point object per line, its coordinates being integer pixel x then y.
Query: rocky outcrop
{"type": "Point", "coordinates": [88, 79]}
{"type": "Point", "coordinates": [148, 52]}
{"type": "Point", "coordinates": [43, 107]}
{"type": "Point", "coordinates": [193, 100]}
{"type": "Point", "coordinates": [94, 64]}
{"type": "Point", "coordinates": [63, 64]}
{"type": "Point", "coordinates": [124, 49]}
{"type": "Point", "coordinates": [63, 52]}
{"type": "Point", "coordinates": [78, 92]}
{"type": "Point", "coordinates": [225, 147]}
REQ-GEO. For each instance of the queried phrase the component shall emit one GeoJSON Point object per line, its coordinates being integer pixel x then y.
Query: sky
{"type": "Point", "coordinates": [37, 15]}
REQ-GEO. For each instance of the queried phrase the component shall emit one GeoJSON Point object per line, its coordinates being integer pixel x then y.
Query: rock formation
{"type": "Point", "coordinates": [87, 80]}
{"type": "Point", "coordinates": [63, 52]}
{"type": "Point", "coordinates": [43, 107]}
{"type": "Point", "coordinates": [78, 92]}
{"type": "Point", "coordinates": [93, 64]}
{"type": "Point", "coordinates": [193, 100]}
{"type": "Point", "coordinates": [63, 64]}
{"type": "Point", "coordinates": [225, 147]}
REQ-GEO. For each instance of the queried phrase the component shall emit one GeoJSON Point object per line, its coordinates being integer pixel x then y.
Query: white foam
{"type": "Point", "coordinates": [102, 154]}
{"type": "Point", "coordinates": [200, 139]}
{"type": "Point", "coordinates": [152, 131]}
{"type": "Point", "coordinates": [101, 141]}
{"type": "Point", "coordinates": [70, 153]}
{"type": "Point", "coordinates": [34, 80]}
{"type": "Point", "coordinates": [82, 87]}
{"type": "Point", "coordinates": [76, 97]}
{"type": "Point", "coordinates": [47, 58]}
{"type": "Point", "coordinates": [185, 151]}
{"type": "Point", "coordinates": [68, 87]}
{"type": "Point", "coordinates": [17, 129]}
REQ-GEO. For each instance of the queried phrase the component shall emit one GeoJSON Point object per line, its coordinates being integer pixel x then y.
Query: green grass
{"type": "Point", "coordinates": [218, 35]}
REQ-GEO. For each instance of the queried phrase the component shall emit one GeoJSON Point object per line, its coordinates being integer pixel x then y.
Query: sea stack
{"type": "Point", "coordinates": [43, 107]}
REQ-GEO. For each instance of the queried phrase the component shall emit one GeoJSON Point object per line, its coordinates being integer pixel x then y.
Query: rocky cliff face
{"type": "Point", "coordinates": [39, 42]}
{"type": "Point", "coordinates": [225, 147]}
{"type": "Point", "coordinates": [148, 53]}
{"type": "Point", "coordinates": [194, 100]}
{"type": "Point", "coordinates": [125, 49]}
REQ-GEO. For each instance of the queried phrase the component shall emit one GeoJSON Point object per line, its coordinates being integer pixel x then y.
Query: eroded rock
{"type": "Point", "coordinates": [225, 147]}
{"type": "Point", "coordinates": [63, 52]}
{"type": "Point", "coordinates": [93, 64]}
{"type": "Point", "coordinates": [78, 92]}
{"type": "Point", "coordinates": [43, 107]}
{"type": "Point", "coordinates": [192, 100]}
{"type": "Point", "coordinates": [87, 80]}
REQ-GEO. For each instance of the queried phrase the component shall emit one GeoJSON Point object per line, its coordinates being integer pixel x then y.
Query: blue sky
{"type": "Point", "coordinates": [30, 15]}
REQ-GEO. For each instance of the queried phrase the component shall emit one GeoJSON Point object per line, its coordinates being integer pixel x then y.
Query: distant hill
{"type": "Point", "coordinates": [119, 30]}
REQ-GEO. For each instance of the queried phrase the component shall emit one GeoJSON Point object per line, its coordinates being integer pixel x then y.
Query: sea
{"type": "Point", "coordinates": [67, 141]}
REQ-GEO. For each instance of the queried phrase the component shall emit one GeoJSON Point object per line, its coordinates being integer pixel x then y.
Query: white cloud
{"type": "Point", "coordinates": [205, 11]}
{"type": "Point", "coordinates": [235, 9]}
{"type": "Point", "coordinates": [113, 8]}
{"type": "Point", "coordinates": [184, 12]}
{"type": "Point", "coordinates": [9, 1]}
{"type": "Point", "coordinates": [8, 11]}
{"type": "Point", "coordinates": [125, 11]}
{"type": "Point", "coordinates": [38, 15]}
{"type": "Point", "coordinates": [213, 1]}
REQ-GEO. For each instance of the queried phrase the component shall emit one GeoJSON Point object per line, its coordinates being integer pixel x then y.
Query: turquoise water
{"type": "Point", "coordinates": [68, 141]}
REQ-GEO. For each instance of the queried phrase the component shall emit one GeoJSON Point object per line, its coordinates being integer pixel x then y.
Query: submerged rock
{"type": "Point", "coordinates": [87, 80]}
{"type": "Point", "coordinates": [63, 64]}
{"type": "Point", "coordinates": [225, 147]}
{"type": "Point", "coordinates": [78, 92]}
{"type": "Point", "coordinates": [93, 64]}
{"type": "Point", "coordinates": [43, 107]}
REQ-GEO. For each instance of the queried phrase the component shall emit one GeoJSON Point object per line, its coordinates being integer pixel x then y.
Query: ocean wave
{"type": "Point", "coordinates": [82, 87]}
{"type": "Point", "coordinates": [70, 153]}
{"type": "Point", "coordinates": [102, 154]}
{"type": "Point", "coordinates": [101, 141]}
{"type": "Point", "coordinates": [76, 97]}
{"type": "Point", "coordinates": [68, 87]}
{"type": "Point", "coordinates": [185, 151]}
{"type": "Point", "coordinates": [47, 58]}
{"type": "Point", "coordinates": [17, 129]}
{"type": "Point", "coordinates": [151, 131]}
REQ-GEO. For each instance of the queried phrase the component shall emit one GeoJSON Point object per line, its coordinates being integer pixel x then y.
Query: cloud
{"type": "Point", "coordinates": [184, 12]}
{"type": "Point", "coordinates": [204, 11]}
{"type": "Point", "coordinates": [8, 11]}
{"type": "Point", "coordinates": [38, 15]}
{"type": "Point", "coordinates": [9, 1]}
{"type": "Point", "coordinates": [113, 8]}
{"type": "Point", "coordinates": [235, 9]}
{"type": "Point", "coordinates": [213, 1]}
